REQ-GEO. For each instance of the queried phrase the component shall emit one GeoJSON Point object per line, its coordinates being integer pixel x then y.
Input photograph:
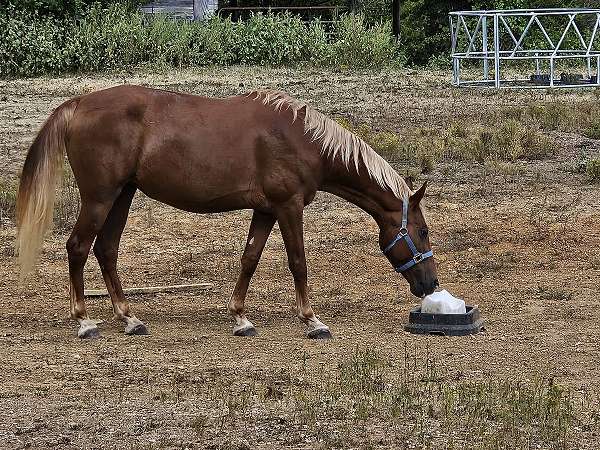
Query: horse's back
{"type": "Point", "coordinates": [192, 152]}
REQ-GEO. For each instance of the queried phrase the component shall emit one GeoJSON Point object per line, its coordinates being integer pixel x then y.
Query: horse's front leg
{"type": "Point", "coordinates": [290, 218]}
{"type": "Point", "coordinates": [260, 228]}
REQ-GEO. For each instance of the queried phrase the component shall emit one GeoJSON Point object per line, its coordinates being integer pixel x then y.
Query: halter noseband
{"type": "Point", "coordinates": [403, 235]}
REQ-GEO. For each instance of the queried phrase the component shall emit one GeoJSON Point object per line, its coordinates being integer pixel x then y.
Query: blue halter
{"type": "Point", "coordinates": [403, 235]}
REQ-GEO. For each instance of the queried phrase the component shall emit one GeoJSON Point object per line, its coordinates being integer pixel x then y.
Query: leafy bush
{"type": "Point", "coordinates": [275, 40]}
{"type": "Point", "coordinates": [118, 37]}
{"type": "Point", "coordinates": [354, 46]}
{"type": "Point", "coordinates": [31, 43]}
{"type": "Point", "coordinates": [424, 25]}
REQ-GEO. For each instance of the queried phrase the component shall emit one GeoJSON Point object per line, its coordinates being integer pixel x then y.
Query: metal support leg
{"type": "Point", "coordinates": [551, 72]}
{"type": "Point", "coordinates": [456, 71]}
{"type": "Point", "coordinates": [486, 68]}
{"type": "Point", "coordinates": [496, 52]}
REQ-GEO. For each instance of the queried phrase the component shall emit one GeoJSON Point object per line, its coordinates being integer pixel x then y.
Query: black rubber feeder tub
{"type": "Point", "coordinates": [445, 324]}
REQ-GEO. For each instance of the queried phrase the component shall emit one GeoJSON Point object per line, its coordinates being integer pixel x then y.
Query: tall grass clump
{"type": "Point", "coordinates": [421, 151]}
{"type": "Point", "coordinates": [593, 130]}
{"type": "Point", "coordinates": [8, 201]}
{"type": "Point", "coordinates": [120, 37]}
{"type": "Point", "coordinates": [68, 202]}
{"type": "Point", "coordinates": [592, 168]}
{"type": "Point", "coordinates": [66, 209]}
{"type": "Point", "coordinates": [564, 116]}
{"type": "Point", "coordinates": [510, 141]}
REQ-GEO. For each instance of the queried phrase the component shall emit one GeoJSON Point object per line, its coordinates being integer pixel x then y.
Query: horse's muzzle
{"type": "Point", "coordinates": [421, 289]}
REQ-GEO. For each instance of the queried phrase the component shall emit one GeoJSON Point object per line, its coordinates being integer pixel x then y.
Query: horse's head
{"type": "Point", "coordinates": [404, 239]}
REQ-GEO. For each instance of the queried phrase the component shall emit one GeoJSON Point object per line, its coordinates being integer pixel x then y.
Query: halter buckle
{"type": "Point", "coordinates": [418, 258]}
{"type": "Point", "coordinates": [403, 232]}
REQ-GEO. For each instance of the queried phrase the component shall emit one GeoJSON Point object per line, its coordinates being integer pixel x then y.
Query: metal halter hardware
{"type": "Point", "coordinates": [403, 235]}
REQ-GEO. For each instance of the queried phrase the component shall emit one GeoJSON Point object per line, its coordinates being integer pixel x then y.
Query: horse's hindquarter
{"type": "Point", "coordinates": [195, 153]}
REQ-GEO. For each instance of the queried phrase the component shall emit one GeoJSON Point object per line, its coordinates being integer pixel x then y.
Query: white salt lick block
{"type": "Point", "coordinates": [442, 302]}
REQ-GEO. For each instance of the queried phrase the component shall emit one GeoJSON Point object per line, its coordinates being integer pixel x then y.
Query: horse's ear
{"type": "Point", "coordinates": [409, 181]}
{"type": "Point", "coordinates": [416, 198]}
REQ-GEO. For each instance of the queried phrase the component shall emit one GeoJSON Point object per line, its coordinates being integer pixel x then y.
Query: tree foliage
{"type": "Point", "coordinates": [425, 28]}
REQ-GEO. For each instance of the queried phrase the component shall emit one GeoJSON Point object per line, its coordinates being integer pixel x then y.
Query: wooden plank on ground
{"type": "Point", "coordinates": [151, 289]}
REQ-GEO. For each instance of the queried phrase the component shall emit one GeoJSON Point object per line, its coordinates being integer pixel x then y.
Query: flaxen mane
{"type": "Point", "coordinates": [336, 140]}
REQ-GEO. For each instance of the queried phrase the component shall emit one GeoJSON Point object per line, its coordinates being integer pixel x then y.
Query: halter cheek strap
{"type": "Point", "coordinates": [403, 235]}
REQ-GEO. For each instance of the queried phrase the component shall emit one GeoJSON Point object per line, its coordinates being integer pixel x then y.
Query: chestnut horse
{"type": "Point", "coordinates": [264, 151]}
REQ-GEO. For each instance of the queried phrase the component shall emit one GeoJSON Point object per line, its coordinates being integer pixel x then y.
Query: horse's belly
{"type": "Point", "coordinates": [199, 204]}
{"type": "Point", "coordinates": [198, 186]}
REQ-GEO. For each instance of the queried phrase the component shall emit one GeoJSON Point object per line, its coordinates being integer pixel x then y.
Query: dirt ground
{"type": "Point", "coordinates": [523, 246]}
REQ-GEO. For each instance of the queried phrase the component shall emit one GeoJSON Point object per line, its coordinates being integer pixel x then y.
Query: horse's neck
{"type": "Point", "coordinates": [359, 189]}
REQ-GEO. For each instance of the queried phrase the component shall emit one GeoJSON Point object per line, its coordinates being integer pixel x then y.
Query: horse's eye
{"type": "Point", "coordinates": [423, 233]}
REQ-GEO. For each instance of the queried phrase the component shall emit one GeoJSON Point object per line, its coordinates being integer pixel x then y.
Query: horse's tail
{"type": "Point", "coordinates": [39, 180]}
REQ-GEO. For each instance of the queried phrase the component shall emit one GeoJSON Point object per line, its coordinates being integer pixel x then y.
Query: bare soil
{"type": "Point", "coordinates": [523, 245]}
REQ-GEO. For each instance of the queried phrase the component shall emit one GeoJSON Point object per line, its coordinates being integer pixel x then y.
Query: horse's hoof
{"type": "Point", "coordinates": [248, 331]}
{"type": "Point", "coordinates": [320, 333]}
{"type": "Point", "coordinates": [89, 332]}
{"type": "Point", "coordinates": [138, 330]}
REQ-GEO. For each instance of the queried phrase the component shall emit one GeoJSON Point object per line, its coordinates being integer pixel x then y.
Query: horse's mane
{"type": "Point", "coordinates": [337, 140]}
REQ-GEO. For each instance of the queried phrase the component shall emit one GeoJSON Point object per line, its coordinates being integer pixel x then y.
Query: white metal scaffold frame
{"type": "Point", "coordinates": [497, 36]}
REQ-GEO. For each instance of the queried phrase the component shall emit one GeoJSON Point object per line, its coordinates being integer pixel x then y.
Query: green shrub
{"type": "Point", "coordinates": [31, 44]}
{"type": "Point", "coordinates": [119, 37]}
{"type": "Point", "coordinates": [358, 45]}
{"type": "Point", "coordinates": [112, 38]}
{"type": "Point", "coordinates": [592, 168]}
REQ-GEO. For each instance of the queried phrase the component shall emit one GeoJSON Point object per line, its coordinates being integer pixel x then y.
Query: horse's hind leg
{"type": "Point", "coordinates": [106, 250]}
{"type": "Point", "coordinates": [90, 220]}
{"type": "Point", "coordinates": [260, 228]}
